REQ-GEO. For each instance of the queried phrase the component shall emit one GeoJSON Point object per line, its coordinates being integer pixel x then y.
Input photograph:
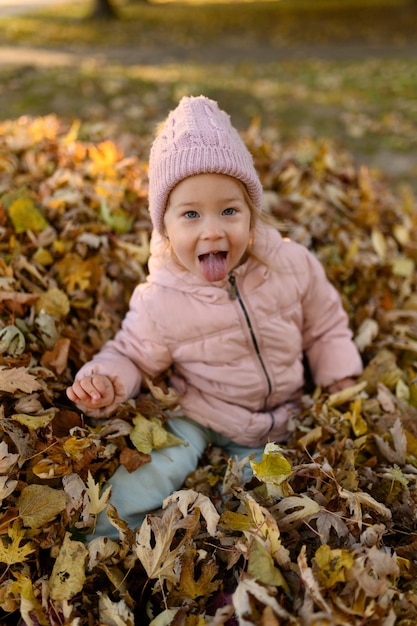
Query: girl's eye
{"type": "Point", "coordinates": [191, 214]}
{"type": "Point", "coordinates": [229, 211]}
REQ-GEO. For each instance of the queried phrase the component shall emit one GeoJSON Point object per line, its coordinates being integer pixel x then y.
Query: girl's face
{"type": "Point", "coordinates": [208, 224]}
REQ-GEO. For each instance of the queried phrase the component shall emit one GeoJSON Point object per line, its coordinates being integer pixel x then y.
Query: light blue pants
{"type": "Point", "coordinates": [140, 492]}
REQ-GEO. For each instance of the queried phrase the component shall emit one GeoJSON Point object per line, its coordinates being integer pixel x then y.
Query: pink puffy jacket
{"type": "Point", "coordinates": [235, 347]}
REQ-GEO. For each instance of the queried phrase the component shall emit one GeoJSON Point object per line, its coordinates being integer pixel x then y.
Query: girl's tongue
{"type": "Point", "coordinates": [214, 266]}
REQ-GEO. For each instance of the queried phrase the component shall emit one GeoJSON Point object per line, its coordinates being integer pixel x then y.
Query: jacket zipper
{"type": "Point", "coordinates": [234, 294]}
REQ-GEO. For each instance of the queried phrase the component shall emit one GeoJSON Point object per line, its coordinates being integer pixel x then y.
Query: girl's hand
{"type": "Point", "coordinates": [341, 384]}
{"type": "Point", "coordinates": [92, 392]}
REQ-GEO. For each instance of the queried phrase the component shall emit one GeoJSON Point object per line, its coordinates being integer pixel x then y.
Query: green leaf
{"type": "Point", "coordinates": [118, 220]}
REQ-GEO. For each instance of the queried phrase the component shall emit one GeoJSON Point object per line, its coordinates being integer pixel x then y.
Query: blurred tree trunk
{"type": "Point", "coordinates": [104, 9]}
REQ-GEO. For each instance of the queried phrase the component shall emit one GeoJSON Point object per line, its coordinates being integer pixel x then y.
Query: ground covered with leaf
{"type": "Point", "coordinates": [326, 531]}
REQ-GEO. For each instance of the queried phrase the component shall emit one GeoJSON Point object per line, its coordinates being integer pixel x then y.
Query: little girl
{"type": "Point", "coordinates": [229, 306]}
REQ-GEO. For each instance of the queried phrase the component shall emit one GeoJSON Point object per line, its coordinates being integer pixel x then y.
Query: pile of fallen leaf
{"type": "Point", "coordinates": [325, 533]}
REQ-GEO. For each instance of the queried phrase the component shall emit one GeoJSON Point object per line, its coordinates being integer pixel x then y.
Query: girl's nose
{"type": "Point", "coordinates": [212, 228]}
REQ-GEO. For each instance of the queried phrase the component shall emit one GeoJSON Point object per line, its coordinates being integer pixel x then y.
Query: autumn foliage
{"type": "Point", "coordinates": [326, 531]}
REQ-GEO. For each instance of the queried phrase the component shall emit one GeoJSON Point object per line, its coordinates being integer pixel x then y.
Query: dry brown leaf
{"type": "Point", "coordinates": [18, 379]}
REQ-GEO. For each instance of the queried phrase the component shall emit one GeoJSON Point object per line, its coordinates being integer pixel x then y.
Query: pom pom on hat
{"type": "Point", "coordinates": [197, 138]}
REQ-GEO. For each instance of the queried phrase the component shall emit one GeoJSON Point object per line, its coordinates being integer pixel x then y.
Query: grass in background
{"type": "Point", "coordinates": [281, 22]}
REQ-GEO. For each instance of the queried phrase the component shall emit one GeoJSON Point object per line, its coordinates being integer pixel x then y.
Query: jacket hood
{"type": "Point", "coordinates": [164, 271]}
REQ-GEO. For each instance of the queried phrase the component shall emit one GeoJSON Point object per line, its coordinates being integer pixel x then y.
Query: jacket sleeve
{"type": "Point", "coordinates": [327, 338]}
{"type": "Point", "coordinates": [138, 349]}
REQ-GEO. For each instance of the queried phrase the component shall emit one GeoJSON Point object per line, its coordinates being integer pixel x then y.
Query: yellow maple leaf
{"type": "Point", "coordinates": [191, 584]}
{"type": "Point", "coordinates": [332, 565]}
{"type": "Point", "coordinates": [11, 551]}
{"type": "Point", "coordinates": [75, 446]}
{"type": "Point", "coordinates": [104, 157]}
{"type": "Point", "coordinates": [97, 502]}
{"type": "Point", "coordinates": [78, 273]}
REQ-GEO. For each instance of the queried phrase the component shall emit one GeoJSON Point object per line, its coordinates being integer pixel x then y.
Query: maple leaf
{"type": "Point", "coordinates": [358, 423]}
{"type": "Point", "coordinates": [189, 499]}
{"type": "Point", "coordinates": [11, 550]}
{"type": "Point", "coordinates": [332, 565]}
{"type": "Point", "coordinates": [153, 545]}
{"type": "Point", "coordinates": [326, 520]}
{"type": "Point", "coordinates": [18, 379]}
{"type": "Point", "coordinates": [76, 272]}
{"type": "Point", "coordinates": [104, 157]}
{"type": "Point", "coordinates": [97, 503]}
{"type": "Point", "coordinates": [192, 586]}
{"type": "Point", "coordinates": [264, 529]}
{"type": "Point", "coordinates": [54, 465]}
{"type": "Point", "coordinates": [398, 452]}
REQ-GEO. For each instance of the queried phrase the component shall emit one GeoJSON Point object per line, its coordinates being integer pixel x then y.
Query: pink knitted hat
{"type": "Point", "coordinates": [197, 138]}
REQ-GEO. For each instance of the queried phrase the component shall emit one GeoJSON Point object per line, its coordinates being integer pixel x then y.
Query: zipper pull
{"type": "Point", "coordinates": [232, 288]}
